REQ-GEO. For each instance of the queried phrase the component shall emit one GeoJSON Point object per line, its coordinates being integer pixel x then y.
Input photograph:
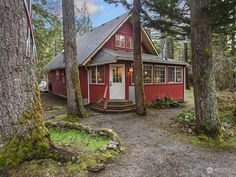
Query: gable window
{"type": "Point", "coordinates": [97, 74]}
{"type": "Point", "coordinates": [147, 74]}
{"type": "Point", "coordinates": [120, 40]}
{"type": "Point", "coordinates": [159, 74]}
{"type": "Point", "coordinates": [129, 42]}
{"type": "Point", "coordinates": [174, 74]}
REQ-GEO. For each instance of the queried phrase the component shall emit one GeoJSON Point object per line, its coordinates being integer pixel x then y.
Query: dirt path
{"type": "Point", "coordinates": [154, 151]}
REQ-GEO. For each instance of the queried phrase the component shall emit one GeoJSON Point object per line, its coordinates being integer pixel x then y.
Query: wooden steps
{"type": "Point", "coordinates": [115, 106]}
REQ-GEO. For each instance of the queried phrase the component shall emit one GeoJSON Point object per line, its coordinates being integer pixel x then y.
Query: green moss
{"type": "Point", "coordinates": [30, 140]}
{"type": "Point", "coordinates": [78, 139]}
{"type": "Point", "coordinates": [68, 118]}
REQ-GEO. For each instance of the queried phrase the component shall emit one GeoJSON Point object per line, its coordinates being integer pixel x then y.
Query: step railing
{"type": "Point", "coordinates": [105, 98]}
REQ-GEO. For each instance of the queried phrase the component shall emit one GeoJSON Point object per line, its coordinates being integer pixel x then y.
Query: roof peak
{"type": "Point", "coordinates": [102, 25]}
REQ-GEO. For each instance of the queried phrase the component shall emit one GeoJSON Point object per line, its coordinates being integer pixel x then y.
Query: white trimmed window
{"type": "Point", "coordinates": [147, 74]}
{"type": "Point", "coordinates": [178, 74]}
{"type": "Point", "coordinates": [129, 42]}
{"type": "Point", "coordinates": [120, 40]}
{"type": "Point", "coordinates": [159, 74]}
{"type": "Point", "coordinates": [174, 74]}
{"type": "Point", "coordinates": [97, 74]}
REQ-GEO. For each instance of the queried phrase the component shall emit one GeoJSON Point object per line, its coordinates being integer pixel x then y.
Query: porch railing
{"type": "Point", "coordinates": [105, 98]}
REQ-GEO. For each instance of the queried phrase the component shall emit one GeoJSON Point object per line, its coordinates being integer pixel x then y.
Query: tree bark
{"type": "Point", "coordinates": [203, 70]}
{"type": "Point", "coordinates": [22, 131]}
{"type": "Point", "coordinates": [138, 63]}
{"type": "Point", "coordinates": [187, 69]}
{"type": "Point", "coordinates": [74, 98]}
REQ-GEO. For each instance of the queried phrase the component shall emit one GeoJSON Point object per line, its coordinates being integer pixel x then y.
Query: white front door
{"type": "Point", "coordinates": [117, 81]}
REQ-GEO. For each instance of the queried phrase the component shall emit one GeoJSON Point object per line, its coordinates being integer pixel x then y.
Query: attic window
{"type": "Point", "coordinates": [120, 41]}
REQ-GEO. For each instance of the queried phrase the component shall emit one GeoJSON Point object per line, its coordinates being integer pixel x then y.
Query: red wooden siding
{"type": "Point", "coordinates": [173, 90]}
{"type": "Point", "coordinates": [126, 30]}
{"type": "Point", "coordinates": [58, 87]}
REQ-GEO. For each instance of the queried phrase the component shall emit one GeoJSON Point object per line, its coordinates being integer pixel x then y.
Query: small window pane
{"type": "Point", "coordinates": [117, 74]}
{"type": "Point", "coordinates": [147, 73]}
{"type": "Point", "coordinates": [159, 74]}
{"type": "Point", "coordinates": [178, 74]}
{"type": "Point", "coordinates": [171, 74]}
{"type": "Point", "coordinates": [129, 42]}
{"type": "Point", "coordinates": [120, 41]}
{"type": "Point", "coordinates": [93, 74]}
{"type": "Point", "coordinates": [100, 74]}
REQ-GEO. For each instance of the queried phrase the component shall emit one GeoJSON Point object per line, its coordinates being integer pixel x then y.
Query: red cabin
{"type": "Point", "coordinates": [105, 61]}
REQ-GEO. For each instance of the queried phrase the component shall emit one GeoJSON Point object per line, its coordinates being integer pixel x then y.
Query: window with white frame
{"type": "Point", "coordinates": [174, 74]}
{"type": "Point", "coordinates": [147, 74]}
{"type": "Point", "coordinates": [178, 74]}
{"type": "Point", "coordinates": [129, 42]}
{"type": "Point", "coordinates": [120, 40]}
{"type": "Point", "coordinates": [97, 74]}
{"type": "Point", "coordinates": [159, 74]}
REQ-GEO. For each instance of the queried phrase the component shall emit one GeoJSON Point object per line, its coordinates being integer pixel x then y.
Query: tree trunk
{"type": "Point", "coordinates": [22, 131]}
{"type": "Point", "coordinates": [203, 70]}
{"type": "Point", "coordinates": [138, 63]}
{"type": "Point", "coordinates": [187, 69]}
{"type": "Point", "coordinates": [74, 98]}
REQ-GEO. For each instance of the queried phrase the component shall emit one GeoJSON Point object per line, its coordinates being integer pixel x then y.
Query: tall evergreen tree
{"type": "Point", "coordinates": [74, 97]}
{"type": "Point", "coordinates": [23, 134]}
{"type": "Point", "coordinates": [203, 69]}
{"type": "Point", "coordinates": [138, 63]}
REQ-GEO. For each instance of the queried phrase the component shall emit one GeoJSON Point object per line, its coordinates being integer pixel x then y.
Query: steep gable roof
{"type": "Point", "coordinates": [91, 42]}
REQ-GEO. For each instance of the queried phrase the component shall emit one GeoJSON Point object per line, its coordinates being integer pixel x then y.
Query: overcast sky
{"type": "Point", "coordinates": [100, 11]}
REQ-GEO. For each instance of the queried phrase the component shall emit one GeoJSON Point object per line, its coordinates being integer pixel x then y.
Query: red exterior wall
{"type": "Point", "coordinates": [126, 30]}
{"type": "Point", "coordinates": [58, 87]}
{"type": "Point", "coordinates": [151, 91]}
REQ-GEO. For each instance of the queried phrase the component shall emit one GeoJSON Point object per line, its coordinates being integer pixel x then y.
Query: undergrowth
{"type": "Point", "coordinates": [186, 121]}
{"type": "Point", "coordinates": [166, 102]}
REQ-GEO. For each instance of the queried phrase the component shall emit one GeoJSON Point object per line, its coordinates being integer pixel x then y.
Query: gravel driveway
{"type": "Point", "coordinates": [154, 151]}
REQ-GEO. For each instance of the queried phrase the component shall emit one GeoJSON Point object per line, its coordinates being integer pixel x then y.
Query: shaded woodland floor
{"type": "Point", "coordinates": [154, 148]}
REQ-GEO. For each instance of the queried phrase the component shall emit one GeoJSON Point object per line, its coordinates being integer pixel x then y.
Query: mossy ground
{"type": "Point", "coordinates": [78, 139]}
{"type": "Point", "coordinates": [227, 115]}
{"type": "Point", "coordinates": [85, 145]}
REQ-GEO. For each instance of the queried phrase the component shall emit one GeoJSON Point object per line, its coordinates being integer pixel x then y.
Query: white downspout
{"type": "Point", "coordinates": [88, 78]}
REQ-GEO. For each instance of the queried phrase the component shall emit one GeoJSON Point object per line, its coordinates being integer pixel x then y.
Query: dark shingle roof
{"type": "Point", "coordinates": [111, 56]}
{"type": "Point", "coordinates": [89, 42]}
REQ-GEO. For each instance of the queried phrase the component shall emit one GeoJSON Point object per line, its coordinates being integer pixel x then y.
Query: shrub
{"type": "Point", "coordinates": [166, 102]}
{"type": "Point", "coordinates": [187, 119]}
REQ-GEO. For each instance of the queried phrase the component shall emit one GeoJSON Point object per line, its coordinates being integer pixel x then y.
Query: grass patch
{"type": "Point", "coordinates": [87, 147]}
{"type": "Point", "coordinates": [205, 141]}
{"type": "Point", "coordinates": [78, 139]}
